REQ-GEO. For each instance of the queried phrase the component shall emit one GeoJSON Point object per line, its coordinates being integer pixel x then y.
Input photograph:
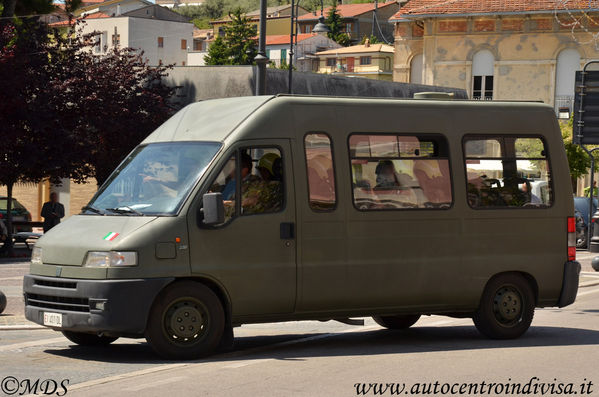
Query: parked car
{"type": "Point", "coordinates": [19, 213]}
{"type": "Point", "coordinates": [581, 206]}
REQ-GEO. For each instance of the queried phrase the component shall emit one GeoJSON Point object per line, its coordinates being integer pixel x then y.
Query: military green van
{"type": "Point", "coordinates": [277, 208]}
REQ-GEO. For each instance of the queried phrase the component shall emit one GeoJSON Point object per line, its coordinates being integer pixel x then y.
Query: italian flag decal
{"type": "Point", "coordinates": [111, 236]}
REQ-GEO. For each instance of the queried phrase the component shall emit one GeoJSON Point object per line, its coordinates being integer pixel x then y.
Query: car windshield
{"type": "Point", "coordinates": [154, 179]}
{"type": "Point", "coordinates": [15, 204]}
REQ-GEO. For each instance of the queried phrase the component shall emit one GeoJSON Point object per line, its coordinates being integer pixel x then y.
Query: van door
{"type": "Point", "coordinates": [253, 254]}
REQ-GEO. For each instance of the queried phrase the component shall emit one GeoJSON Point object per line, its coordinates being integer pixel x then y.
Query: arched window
{"type": "Point", "coordinates": [416, 69]}
{"type": "Point", "coordinates": [568, 62]}
{"type": "Point", "coordinates": [482, 75]}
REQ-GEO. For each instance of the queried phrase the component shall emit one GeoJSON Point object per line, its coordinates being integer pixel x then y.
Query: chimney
{"type": "Point", "coordinates": [118, 10]}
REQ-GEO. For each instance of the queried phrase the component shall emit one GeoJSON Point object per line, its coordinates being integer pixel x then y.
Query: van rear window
{"type": "Point", "coordinates": [321, 172]}
{"type": "Point", "coordinates": [394, 172]}
{"type": "Point", "coordinates": [507, 171]}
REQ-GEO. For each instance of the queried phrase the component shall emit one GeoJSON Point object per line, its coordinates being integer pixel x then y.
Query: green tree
{"type": "Point", "coordinates": [238, 46]}
{"type": "Point", "coordinates": [218, 53]}
{"type": "Point", "coordinates": [578, 160]}
{"type": "Point", "coordinates": [334, 22]}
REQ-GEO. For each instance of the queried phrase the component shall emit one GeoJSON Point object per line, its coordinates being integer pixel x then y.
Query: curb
{"type": "Point", "coordinates": [21, 327]}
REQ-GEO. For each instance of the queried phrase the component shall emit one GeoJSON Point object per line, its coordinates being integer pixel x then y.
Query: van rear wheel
{"type": "Point", "coordinates": [397, 322]}
{"type": "Point", "coordinates": [506, 307]}
{"type": "Point", "coordinates": [83, 339]}
{"type": "Point", "coordinates": [187, 321]}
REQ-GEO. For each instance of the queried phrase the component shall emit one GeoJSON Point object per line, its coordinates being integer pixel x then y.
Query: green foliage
{"type": "Point", "coordinates": [218, 53]}
{"type": "Point", "coordinates": [238, 47]}
{"type": "Point", "coordinates": [218, 9]}
{"type": "Point", "coordinates": [202, 23]}
{"type": "Point", "coordinates": [333, 21]}
{"type": "Point", "coordinates": [578, 160]}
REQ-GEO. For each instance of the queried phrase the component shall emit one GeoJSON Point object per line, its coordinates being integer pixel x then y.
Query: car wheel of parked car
{"type": "Point", "coordinates": [83, 339]}
{"type": "Point", "coordinates": [397, 322]}
{"type": "Point", "coordinates": [2, 301]}
{"type": "Point", "coordinates": [187, 321]}
{"type": "Point", "coordinates": [581, 240]}
{"type": "Point", "coordinates": [506, 308]}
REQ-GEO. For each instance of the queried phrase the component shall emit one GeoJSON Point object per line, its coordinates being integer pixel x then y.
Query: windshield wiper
{"type": "Point", "coordinates": [92, 209]}
{"type": "Point", "coordinates": [125, 210]}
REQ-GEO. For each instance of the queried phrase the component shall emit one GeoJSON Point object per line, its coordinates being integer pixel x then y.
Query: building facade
{"type": "Point", "coordinates": [371, 61]}
{"type": "Point", "coordinates": [358, 20]}
{"type": "Point", "coordinates": [164, 36]}
{"type": "Point", "coordinates": [304, 54]}
{"type": "Point", "coordinates": [496, 50]}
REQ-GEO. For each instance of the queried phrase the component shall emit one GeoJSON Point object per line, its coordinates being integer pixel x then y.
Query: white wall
{"type": "Point", "coordinates": [144, 34]}
{"type": "Point", "coordinates": [141, 33]}
{"type": "Point", "coordinates": [108, 25]}
{"type": "Point", "coordinates": [196, 58]}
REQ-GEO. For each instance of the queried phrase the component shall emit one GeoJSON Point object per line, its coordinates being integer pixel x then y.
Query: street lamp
{"type": "Point", "coordinates": [320, 27]}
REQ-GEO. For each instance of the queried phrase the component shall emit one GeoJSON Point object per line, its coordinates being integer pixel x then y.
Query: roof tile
{"type": "Point", "coordinates": [449, 7]}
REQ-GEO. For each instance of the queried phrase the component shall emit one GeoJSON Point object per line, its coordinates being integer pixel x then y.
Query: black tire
{"type": "Point", "coordinates": [2, 301]}
{"type": "Point", "coordinates": [397, 322]}
{"type": "Point", "coordinates": [506, 307]}
{"type": "Point", "coordinates": [88, 339]}
{"type": "Point", "coordinates": [187, 321]}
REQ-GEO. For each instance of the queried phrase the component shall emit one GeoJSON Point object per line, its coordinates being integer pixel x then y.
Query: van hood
{"type": "Point", "coordinates": [68, 242]}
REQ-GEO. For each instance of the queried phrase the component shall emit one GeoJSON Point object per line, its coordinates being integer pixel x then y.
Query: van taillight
{"type": "Point", "coordinates": [571, 238]}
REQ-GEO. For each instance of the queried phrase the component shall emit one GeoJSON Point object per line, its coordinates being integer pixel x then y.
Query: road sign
{"type": "Point", "coordinates": [586, 108]}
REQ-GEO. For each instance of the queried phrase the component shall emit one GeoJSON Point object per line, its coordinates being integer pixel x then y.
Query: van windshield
{"type": "Point", "coordinates": [154, 179]}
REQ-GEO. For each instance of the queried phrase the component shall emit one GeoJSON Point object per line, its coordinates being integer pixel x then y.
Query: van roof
{"type": "Point", "coordinates": [210, 120]}
{"type": "Point", "coordinates": [215, 119]}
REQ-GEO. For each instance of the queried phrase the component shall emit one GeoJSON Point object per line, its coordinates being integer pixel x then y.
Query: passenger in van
{"type": "Point", "coordinates": [533, 198]}
{"type": "Point", "coordinates": [260, 195]}
{"type": "Point", "coordinates": [386, 175]}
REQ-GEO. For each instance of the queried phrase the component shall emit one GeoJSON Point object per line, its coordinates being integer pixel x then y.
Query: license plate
{"type": "Point", "coordinates": [53, 319]}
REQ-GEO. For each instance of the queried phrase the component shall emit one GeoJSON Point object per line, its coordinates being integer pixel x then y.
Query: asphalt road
{"type": "Point", "coordinates": [317, 359]}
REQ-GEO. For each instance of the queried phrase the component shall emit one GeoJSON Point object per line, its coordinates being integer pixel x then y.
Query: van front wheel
{"type": "Point", "coordinates": [186, 321]}
{"type": "Point", "coordinates": [506, 308]}
{"type": "Point", "coordinates": [397, 322]}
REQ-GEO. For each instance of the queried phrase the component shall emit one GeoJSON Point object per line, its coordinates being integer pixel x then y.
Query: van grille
{"type": "Point", "coordinates": [56, 284]}
{"type": "Point", "coordinates": [57, 302]}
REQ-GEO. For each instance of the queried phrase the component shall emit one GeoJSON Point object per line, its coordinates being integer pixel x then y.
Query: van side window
{"type": "Point", "coordinates": [225, 184]}
{"type": "Point", "coordinates": [261, 175]}
{"type": "Point", "coordinates": [261, 180]}
{"type": "Point", "coordinates": [507, 171]}
{"type": "Point", "coordinates": [321, 172]}
{"type": "Point", "coordinates": [400, 171]}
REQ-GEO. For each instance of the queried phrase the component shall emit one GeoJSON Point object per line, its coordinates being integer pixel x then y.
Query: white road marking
{"type": "Point", "coordinates": [11, 278]}
{"type": "Point", "coordinates": [156, 383]}
{"type": "Point", "coordinates": [22, 345]}
{"type": "Point", "coordinates": [245, 363]}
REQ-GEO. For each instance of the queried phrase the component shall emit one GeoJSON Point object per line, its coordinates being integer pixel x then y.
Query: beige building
{"type": "Point", "coordinates": [278, 20]}
{"type": "Point", "coordinates": [371, 61]}
{"type": "Point", "coordinates": [72, 195]}
{"type": "Point", "coordinates": [520, 50]}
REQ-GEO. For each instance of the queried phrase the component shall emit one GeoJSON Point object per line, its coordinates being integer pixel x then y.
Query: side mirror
{"type": "Point", "coordinates": [214, 209]}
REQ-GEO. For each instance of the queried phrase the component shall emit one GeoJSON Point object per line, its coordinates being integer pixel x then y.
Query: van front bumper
{"type": "Point", "coordinates": [115, 307]}
{"type": "Point", "coordinates": [569, 284]}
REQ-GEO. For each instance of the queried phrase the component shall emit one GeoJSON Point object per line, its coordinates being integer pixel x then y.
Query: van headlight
{"type": "Point", "coordinates": [110, 259]}
{"type": "Point", "coordinates": [36, 256]}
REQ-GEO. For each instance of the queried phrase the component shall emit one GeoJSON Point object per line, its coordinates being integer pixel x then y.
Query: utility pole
{"type": "Point", "coordinates": [261, 59]}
